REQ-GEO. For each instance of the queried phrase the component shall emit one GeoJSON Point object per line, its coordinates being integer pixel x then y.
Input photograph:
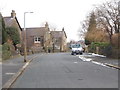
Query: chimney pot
{"type": "Point", "coordinates": [13, 14]}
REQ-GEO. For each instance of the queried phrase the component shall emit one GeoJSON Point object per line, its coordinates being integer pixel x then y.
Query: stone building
{"type": "Point", "coordinates": [41, 39]}
{"type": "Point", "coordinates": [59, 39]}
{"type": "Point", "coordinates": [12, 21]}
{"type": "Point", "coordinates": [38, 38]}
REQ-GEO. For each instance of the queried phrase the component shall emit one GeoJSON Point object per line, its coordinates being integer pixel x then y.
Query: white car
{"type": "Point", "coordinates": [76, 49]}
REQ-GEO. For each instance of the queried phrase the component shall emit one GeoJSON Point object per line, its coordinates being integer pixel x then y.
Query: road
{"type": "Point", "coordinates": [12, 66]}
{"type": "Point", "coordinates": [62, 70]}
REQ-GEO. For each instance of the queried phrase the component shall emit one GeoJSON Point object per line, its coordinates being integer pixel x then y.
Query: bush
{"type": "Point", "coordinates": [0, 52]}
{"type": "Point", "coordinates": [116, 53]}
{"type": "Point", "coordinates": [0, 48]}
{"type": "Point", "coordinates": [107, 51]}
{"type": "Point", "coordinates": [87, 42]}
{"type": "Point", "coordinates": [13, 35]}
{"type": "Point", "coordinates": [6, 53]}
{"type": "Point", "coordinates": [116, 40]}
{"type": "Point", "coordinates": [103, 47]}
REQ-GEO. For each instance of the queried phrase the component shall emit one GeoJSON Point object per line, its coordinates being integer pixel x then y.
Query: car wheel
{"type": "Point", "coordinates": [81, 53]}
{"type": "Point", "coordinates": [72, 53]}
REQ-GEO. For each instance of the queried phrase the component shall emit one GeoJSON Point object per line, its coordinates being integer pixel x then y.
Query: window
{"type": "Point", "coordinates": [36, 39]}
{"type": "Point", "coordinates": [39, 39]}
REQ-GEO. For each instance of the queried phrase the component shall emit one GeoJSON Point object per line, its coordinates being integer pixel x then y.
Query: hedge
{"type": "Point", "coordinates": [6, 53]}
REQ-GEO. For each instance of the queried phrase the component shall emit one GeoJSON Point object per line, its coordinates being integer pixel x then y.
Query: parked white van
{"type": "Point", "coordinates": [76, 49]}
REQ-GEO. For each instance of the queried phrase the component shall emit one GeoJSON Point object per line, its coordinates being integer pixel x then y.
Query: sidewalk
{"type": "Point", "coordinates": [12, 66]}
{"type": "Point", "coordinates": [102, 59]}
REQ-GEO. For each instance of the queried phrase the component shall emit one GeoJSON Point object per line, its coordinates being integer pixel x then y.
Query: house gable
{"type": "Point", "coordinates": [11, 21]}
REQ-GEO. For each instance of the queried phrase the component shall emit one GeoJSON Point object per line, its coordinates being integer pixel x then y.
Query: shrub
{"type": "Point", "coordinates": [107, 51]}
{"type": "Point", "coordinates": [0, 52]}
{"type": "Point", "coordinates": [0, 48]}
{"type": "Point", "coordinates": [116, 40]}
{"type": "Point", "coordinates": [87, 42]}
{"type": "Point", "coordinates": [6, 53]}
{"type": "Point", "coordinates": [13, 35]}
{"type": "Point", "coordinates": [103, 46]}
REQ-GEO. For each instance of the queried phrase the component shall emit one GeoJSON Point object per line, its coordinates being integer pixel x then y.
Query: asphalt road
{"type": "Point", "coordinates": [62, 70]}
{"type": "Point", "coordinates": [11, 67]}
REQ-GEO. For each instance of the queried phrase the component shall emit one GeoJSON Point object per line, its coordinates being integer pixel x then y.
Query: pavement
{"type": "Point", "coordinates": [101, 59]}
{"type": "Point", "coordinates": [12, 68]}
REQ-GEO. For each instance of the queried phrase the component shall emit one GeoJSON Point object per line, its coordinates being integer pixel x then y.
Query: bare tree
{"type": "Point", "coordinates": [84, 28]}
{"type": "Point", "coordinates": [107, 17]}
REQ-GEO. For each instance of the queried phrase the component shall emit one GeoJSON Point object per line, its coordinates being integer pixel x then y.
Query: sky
{"type": "Point", "coordinates": [58, 13]}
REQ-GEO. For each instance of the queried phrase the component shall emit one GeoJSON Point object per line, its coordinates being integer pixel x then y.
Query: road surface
{"type": "Point", "coordinates": [62, 70]}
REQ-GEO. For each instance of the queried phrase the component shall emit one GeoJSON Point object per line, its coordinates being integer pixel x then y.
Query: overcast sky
{"type": "Point", "coordinates": [58, 13]}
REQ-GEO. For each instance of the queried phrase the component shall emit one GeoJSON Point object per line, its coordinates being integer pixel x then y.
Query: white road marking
{"type": "Point", "coordinates": [9, 73]}
{"type": "Point", "coordinates": [85, 59]}
{"type": "Point", "coordinates": [98, 55]}
{"type": "Point", "coordinates": [99, 63]}
{"type": "Point", "coordinates": [75, 62]}
{"type": "Point", "coordinates": [90, 60]}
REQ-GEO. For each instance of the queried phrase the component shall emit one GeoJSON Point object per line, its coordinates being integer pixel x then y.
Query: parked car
{"type": "Point", "coordinates": [77, 49]}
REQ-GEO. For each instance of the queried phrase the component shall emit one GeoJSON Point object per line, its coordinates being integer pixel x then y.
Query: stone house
{"type": "Point", "coordinates": [59, 40]}
{"type": "Point", "coordinates": [41, 39]}
{"type": "Point", "coordinates": [38, 39]}
{"type": "Point", "coordinates": [12, 21]}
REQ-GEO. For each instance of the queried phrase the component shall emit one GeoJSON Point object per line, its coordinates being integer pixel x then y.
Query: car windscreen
{"type": "Point", "coordinates": [76, 46]}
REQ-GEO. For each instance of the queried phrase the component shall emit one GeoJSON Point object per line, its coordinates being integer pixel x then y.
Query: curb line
{"type": "Point", "coordinates": [106, 64]}
{"type": "Point", "coordinates": [110, 65]}
{"type": "Point", "coordinates": [10, 82]}
{"type": "Point", "coordinates": [114, 66]}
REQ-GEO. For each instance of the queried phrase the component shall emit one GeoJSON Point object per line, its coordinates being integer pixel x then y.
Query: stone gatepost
{"type": "Point", "coordinates": [97, 50]}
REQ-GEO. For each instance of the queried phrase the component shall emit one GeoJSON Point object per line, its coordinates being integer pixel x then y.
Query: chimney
{"type": "Point", "coordinates": [46, 25]}
{"type": "Point", "coordinates": [13, 14]}
{"type": "Point", "coordinates": [63, 29]}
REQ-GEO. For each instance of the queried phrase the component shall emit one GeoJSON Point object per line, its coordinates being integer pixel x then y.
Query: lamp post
{"type": "Point", "coordinates": [118, 16]}
{"type": "Point", "coordinates": [25, 41]}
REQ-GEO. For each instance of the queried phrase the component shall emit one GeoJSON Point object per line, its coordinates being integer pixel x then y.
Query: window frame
{"type": "Point", "coordinates": [37, 40]}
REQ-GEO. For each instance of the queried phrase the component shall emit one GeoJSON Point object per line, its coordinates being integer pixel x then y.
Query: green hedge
{"type": "Point", "coordinates": [6, 53]}
{"type": "Point", "coordinates": [0, 48]}
{"type": "Point", "coordinates": [104, 48]}
{"type": "Point", "coordinates": [0, 52]}
{"type": "Point", "coordinates": [99, 44]}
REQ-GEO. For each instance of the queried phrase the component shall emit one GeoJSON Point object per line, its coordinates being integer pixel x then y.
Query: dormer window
{"type": "Point", "coordinates": [37, 39]}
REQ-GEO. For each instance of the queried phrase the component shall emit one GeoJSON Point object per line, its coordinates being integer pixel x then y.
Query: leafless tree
{"type": "Point", "coordinates": [107, 17]}
{"type": "Point", "coordinates": [84, 28]}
